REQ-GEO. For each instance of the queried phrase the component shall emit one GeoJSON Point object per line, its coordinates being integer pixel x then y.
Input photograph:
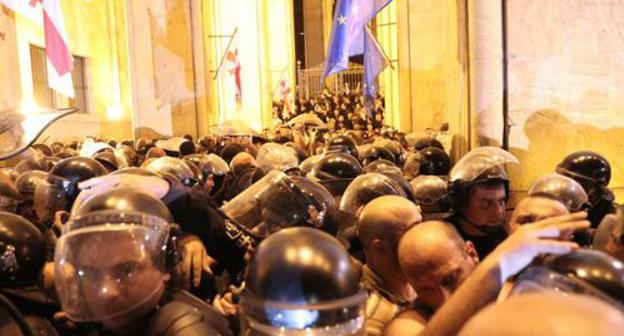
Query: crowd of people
{"type": "Point", "coordinates": [345, 233]}
{"type": "Point", "coordinates": [342, 110]}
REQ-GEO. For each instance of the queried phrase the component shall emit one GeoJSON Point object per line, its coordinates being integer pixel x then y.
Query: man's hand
{"type": "Point", "coordinates": [196, 261]}
{"type": "Point", "coordinates": [531, 240]}
{"type": "Point", "coordinates": [228, 303]}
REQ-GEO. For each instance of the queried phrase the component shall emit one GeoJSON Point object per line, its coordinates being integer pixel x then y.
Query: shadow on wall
{"type": "Point", "coordinates": [552, 137]}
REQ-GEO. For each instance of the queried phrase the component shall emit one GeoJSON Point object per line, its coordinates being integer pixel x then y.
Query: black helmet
{"type": "Point", "coordinates": [366, 188]}
{"type": "Point", "coordinates": [431, 194]}
{"type": "Point", "coordinates": [230, 150]}
{"type": "Point", "coordinates": [428, 142]}
{"type": "Point", "coordinates": [301, 280]}
{"type": "Point", "coordinates": [43, 149]}
{"type": "Point", "coordinates": [33, 163]}
{"type": "Point", "coordinates": [342, 144]}
{"type": "Point", "coordinates": [479, 166]}
{"type": "Point", "coordinates": [324, 202]}
{"type": "Point", "coordinates": [589, 169]}
{"type": "Point", "coordinates": [382, 166]}
{"type": "Point", "coordinates": [107, 159]}
{"type": "Point", "coordinates": [374, 153]}
{"type": "Point", "coordinates": [175, 167]}
{"type": "Point", "coordinates": [586, 166]}
{"type": "Point", "coordinates": [434, 161]}
{"type": "Point", "coordinates": [582, 271]}
{"type": "Point", "coordinates": [61, 186]}
{"type": "Point", "coordinates": [9, 197]}
{"type": "Point", "coordinates": [562, 189]}
{"type": "Point", "coordinates": [394, 147]}
{"type": "Point", "coordinates": [27, 182]}
{"type": "Point", "coordinates": [22, 251]}
{"type": "Point", "coordinates": [335, 171]}
{"type": "Point", "coordinates": [125, 199]}
{"type": "Point", "coordinates": [177, 147]}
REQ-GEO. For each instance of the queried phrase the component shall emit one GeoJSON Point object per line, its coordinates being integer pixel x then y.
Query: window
{"type": "Point", "coordinates": [45, 96]}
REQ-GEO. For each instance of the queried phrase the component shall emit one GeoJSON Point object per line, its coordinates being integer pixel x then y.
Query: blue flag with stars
{"type": "Point", "coordinates": [348, 34]}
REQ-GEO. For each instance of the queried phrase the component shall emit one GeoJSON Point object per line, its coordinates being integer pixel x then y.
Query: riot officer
{"type": "Point", "coordinates": [479, 189]}
{"type": "Point", "coordinates": [122, 287]}
{"type": "Point", "coordinates": [593, 172]}
{"type": "Point", "coordinates": [22, 259]}
{"type": "Point", "coordinates": [215, 173]}
{"type": "Point", "coordinates": [61, 186]}
{"type": "Point", "coordinates": [323, 296]}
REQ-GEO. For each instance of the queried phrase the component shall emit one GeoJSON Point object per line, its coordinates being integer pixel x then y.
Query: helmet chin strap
{"type": "Point", "coordinates": [488, 230]}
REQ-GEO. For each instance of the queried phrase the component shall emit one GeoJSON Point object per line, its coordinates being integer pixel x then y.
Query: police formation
{"type": "Point", "coordinates": [247, 234]}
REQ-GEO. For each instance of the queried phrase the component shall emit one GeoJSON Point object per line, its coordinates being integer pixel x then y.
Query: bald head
{"type": "Point", "coordinates": [387, 217]}
{"type": "Point", "coordinates": [424, 245]}
{"type": "Point", "coordinates": [436, 260]}
{"type": "Point", "coordinates": [532, 209]}
{"type": "Point", "coordinates": [547, 314]}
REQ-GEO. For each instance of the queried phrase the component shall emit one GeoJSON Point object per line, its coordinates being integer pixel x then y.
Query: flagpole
{"type": "Point", "coordinates": [225, 53]}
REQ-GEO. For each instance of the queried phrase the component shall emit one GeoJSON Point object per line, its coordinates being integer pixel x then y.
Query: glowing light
{"type": "Point", "coordinates": [29, 107]}
{"type": "Point", "coordinates": [114, 112]}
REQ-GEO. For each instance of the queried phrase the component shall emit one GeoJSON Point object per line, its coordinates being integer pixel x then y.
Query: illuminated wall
{"type": "Point", "coordinates": [109, 107]}
{"type": "Point", "coordinates": [565, 81]}
{"type": "Point", "coordinates": [432, 72]}
{"type": "Point", "coordinates": [9, 71]}
{"type": "Point", "coordinates": [265, 43]}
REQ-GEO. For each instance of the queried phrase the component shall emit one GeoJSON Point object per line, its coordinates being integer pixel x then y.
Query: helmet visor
{"type": "Point", "coordinates": [18, 131]}
{"type": "Point", "coordinates": [271, 204]}
{"type": "Point", "coordinates": [540, 279]}
{"type": "Point", "coordinates": [51, 196]}
{"type": "Point", "coordinates": [337, 317]}
{"type": "Point", "coordinates": [366, 188]}
{"type": "Point", "coordinates": [561, 188]}
{"type": "Point", "coordinates": [478, 161]}
{"type": "Point", "coordinates": [98, 280]}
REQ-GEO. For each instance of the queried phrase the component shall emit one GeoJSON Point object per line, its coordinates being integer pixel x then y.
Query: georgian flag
{"type": "Point", "coordinates": [234, 71]}
{"type": "Point", "coordinates": [59, 60]}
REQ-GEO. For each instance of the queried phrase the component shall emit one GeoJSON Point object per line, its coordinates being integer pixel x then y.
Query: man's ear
{"type": "Point", "coordinates": [471, 252]}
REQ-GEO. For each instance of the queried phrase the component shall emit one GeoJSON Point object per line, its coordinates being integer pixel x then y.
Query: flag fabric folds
{"type": "Point", "coordinates": [59, 59]}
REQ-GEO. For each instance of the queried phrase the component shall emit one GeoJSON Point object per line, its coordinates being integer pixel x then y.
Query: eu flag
{"type": "Point", "coordinates": [374, 63]}
{"type": "Point", "coordinates": [348, 32]}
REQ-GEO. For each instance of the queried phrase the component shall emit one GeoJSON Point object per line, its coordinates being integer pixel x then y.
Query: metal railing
{"type": "Point", "coordinates": [309, 80]}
